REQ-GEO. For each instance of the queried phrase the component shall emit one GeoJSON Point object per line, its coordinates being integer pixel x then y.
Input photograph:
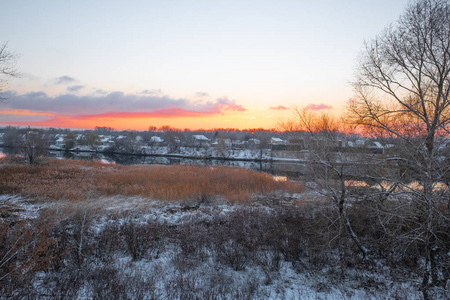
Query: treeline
{"type": "Point", "coordinates": [14, 137]}
{"type": "Point", "coordinates": [183, 134]}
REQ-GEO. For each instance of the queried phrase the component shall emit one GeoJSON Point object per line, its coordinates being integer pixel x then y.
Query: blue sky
{"type": "Point", "coordinates": [256, 54]}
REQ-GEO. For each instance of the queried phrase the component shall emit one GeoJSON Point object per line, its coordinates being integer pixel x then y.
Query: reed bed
{"type": "Point", "coordinates": [81, 180]}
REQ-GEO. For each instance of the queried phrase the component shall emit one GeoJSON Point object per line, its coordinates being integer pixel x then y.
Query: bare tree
{"type": "Point", "coordinates": [402, 87]}
{"type": "Point", "coordinates": [173, 138]}
{"type": "Point", "coordinates": [330, 167]}
{"type": "Point", "coordinates": [90, 139]}
{"type": "Point", "coordinates": [8, 61]}
{"type": "Point", "coordinates": [70, 140]}
{"type": "Point", "coordinates": [33, 143]}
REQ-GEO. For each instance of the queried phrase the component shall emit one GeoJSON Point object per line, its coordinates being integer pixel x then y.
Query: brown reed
{"type": "Point", "coordinates": [80, 180]}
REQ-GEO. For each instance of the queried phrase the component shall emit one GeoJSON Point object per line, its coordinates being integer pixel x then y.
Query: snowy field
{"type": "Point", "coordinates": [136, 248]}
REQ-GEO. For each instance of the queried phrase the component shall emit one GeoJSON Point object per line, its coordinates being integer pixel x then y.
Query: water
{"type": "Point", "coordinates": [271, 167]}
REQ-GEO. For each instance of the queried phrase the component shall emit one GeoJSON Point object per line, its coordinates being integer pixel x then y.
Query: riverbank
{"type": "Point", "coordinates": [254, 155]}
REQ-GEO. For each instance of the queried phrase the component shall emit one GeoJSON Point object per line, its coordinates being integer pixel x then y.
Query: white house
{"type": "Point", "coordinates": [276, 141]}
{"type": "Point", "coordinates": [156, 140]}
{"type": "Point", "coordinates": [60, 142]}
{"type": "Point", "coordinates": [200, 140]}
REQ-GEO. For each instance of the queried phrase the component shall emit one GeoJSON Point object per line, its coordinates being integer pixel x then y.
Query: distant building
{"type": "Point", "coordinates": [156, 140]}
{"type": "Point", "coordinates": [200, 140]}
{"type": "Point", "coordinates": [276, 141]}
{"type": "Point", "coordinates": [60, 142]}
{"type": "Point", "coordinates": [106, 141]}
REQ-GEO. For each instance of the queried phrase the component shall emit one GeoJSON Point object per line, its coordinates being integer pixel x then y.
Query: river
{"type": "Point", "coordinates": [276, 168]}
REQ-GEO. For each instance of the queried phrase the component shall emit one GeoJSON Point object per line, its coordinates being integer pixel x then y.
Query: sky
{"type": "Point", "coordinates": [187, 64]}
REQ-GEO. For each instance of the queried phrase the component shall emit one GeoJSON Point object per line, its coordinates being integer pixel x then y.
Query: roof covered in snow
{"type": "Point", "coordinates": [200, 137]}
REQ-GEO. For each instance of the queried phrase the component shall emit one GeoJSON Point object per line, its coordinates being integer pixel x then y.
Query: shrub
{"type": "Point", "coordinates": [141, 238]}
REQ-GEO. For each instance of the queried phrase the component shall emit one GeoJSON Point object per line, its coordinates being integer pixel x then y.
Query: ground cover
{"type": "Point", "coordinates": [79, 180]}
{"type": "Point", "coordinates": [87, 230]}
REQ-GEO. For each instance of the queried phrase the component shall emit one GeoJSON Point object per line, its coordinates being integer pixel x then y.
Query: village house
{"type": "Point", "coordinates": [60, 140]}
{"type": "Point", "coordinates": [238, 144]}
{"type": "Point", "coordinates": [200, 140]}
{"type": "Point", "coordinates": [276, 141]}
{"type": "Point", "coordinates": [155, 141]}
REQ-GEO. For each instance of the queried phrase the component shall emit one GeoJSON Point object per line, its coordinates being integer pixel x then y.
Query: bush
{"type": "Point", "coordinates": [142, 239]}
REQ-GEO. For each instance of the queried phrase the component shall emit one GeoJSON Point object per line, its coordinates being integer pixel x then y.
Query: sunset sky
{"type": "Point", "coordinates": [187, 64]}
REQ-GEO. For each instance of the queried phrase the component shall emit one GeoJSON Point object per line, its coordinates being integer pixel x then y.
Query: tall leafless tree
{"type": "Point", "coordinates": [330, 167]}
{"type": "Point", "coordinates": [402, 91]}
{"type": "Point", "coordinates": [8, 68]}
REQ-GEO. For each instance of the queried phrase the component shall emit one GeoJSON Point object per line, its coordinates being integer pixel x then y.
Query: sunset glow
{"type": "Point", "coordinates": [186, 64]}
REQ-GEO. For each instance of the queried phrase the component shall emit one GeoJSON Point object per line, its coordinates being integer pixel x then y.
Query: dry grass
{"type": "Point", "coordinates": [81, 180]}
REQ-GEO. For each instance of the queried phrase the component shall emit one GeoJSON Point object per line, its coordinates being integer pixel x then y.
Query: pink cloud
{"type": "Point", "coordinates": [75, 111]}
{"type": "Point", "coordinates": [318, 106]}
{"type": "Point", "coordinates": [279, 107]}
{"type": "Point", "coordinates": [223, 104]}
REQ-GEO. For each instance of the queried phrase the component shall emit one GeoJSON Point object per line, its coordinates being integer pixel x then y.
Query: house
{"type": "Point", "coordinates": [276, 141]}
{"type": "Point", "coordinates": [138, 140]}
{"type": "Point", "coordinates": [254, 142]}
{"type": "Point", "coordinates": [60, 142]}
{"type": "Point", "coordinates": [106, 141]}
{"type": "Point", "coordinates": [357, 143]}
{"type": "Point", "coordinates": [155, 141]}
{"type": "Point", "coordinates": [377, 147]}
{"type": "Point", "coordinates": [200, 140]}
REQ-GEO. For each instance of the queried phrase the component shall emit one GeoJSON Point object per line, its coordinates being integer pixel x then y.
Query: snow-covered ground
{"type": "Point", "coordinates": [169, 269]}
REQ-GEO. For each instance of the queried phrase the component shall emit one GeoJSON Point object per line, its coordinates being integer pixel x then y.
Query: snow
{"type": "Point", "coordinates": [289, 281]}
{"type": "Point", "coordinates": [275, 140]}
{"type": "Point", "coordinates": [156, 139]}
{"type": "Point", "coordinates": [200, 137]}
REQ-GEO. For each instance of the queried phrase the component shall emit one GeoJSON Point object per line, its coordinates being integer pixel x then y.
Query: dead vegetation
{"type": "Point", "coordinates": [81, 180]}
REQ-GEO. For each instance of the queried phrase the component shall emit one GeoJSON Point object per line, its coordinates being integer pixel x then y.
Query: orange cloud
{"type": "Point", "coordinates": [119, 110]}
{"type": "Point", "coordinates": [122, 119]}
{"type": "Point", "coordinates": [25, 112]}
{"type": "Point", "coordinates": [142, 123]}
